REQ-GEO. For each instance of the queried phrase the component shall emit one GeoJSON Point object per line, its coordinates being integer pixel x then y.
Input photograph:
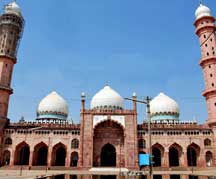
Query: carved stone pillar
{"type": "Point", "coordinates": [31, 158]}
{"type": "Point", "coordinates": [183, 158]}
{"type": "Point", "coordinates": [12, 158]}
{"type": "Point", "coordinates": [67, 160]}
{"type": "Point", "coordinates": [49, 156]}
{"type": "Point", "coordinates": [165, 161]}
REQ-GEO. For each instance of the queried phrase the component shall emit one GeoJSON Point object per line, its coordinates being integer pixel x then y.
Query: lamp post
{"type": "Point", "coordinates": [22, 154]}
{"type": "Point", "coordinates": [146, 101]}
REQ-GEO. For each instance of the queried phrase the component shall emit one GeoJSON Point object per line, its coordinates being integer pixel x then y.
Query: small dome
{"type": "Point", "coordinates": [202, 11]}
{"type": "Point", "coordinates": [107, 98]}
{"type": "Point", "coordinates": [13, 8]}
{"type": "Point", "coordinates": [163, 107]}
{"type": "Point", "coordinates": [53, 106]}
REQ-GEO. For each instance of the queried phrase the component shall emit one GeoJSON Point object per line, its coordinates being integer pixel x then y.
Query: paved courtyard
{"type": "Point", "coordinates": [30, 174]}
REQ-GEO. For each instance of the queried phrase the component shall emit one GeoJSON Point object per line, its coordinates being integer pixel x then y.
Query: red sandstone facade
{"type": "Point", "coordinates": [105, 137]}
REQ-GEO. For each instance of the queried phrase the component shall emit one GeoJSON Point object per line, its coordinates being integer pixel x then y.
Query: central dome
{"type": "Point", "coordinates": [107, 98]}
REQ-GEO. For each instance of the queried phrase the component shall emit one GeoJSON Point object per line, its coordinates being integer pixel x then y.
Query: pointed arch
{"type": "Point", "coordinates": [209, 158]}
{"type": "Point", "coordinates": [157, 152]}
{"type": "Point", "coordinates": [193, 152]}
{"type": "Point", "coordinates": [40, 154]}
{"type": "Point", "coordinates": [22, 153]}
{"type": "Point", "coordinates": [108, 132]}
{"type": "Point", "coordinates": [175, 152]}
{"type": "Point", "coordinates": [6, 157]}
{"type": "Point", "coordinates": [108, 155]}
{"type": "Point", "coordinates": [59, 152]}
{"type": "Point", "coordinates": [74, 159]}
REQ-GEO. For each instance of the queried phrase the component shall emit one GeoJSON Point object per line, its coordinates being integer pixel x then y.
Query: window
{"type": "Point", "coordinates": [8, 141]}
{"type": "Point", "coordinates": [207, 142]}
{"type": "Point", "coordinates": [142, 144]}
{"type": "Point", "coordinates": [215, 104]}
{"type": "Point", "coordinates": [209, 66]}
{"type": "Point", "coordinates": [204, 36]}
{"type": "Point", "coordinates": [75, 144]}
{"type": "Point", "coordinates": [212, 84]}
{"type": "Point", "coordinates": [211, 75]}
{"type": "Point", "coordinates": [207, 54]}
{"type": "Point", "coordinates": [206, 45]}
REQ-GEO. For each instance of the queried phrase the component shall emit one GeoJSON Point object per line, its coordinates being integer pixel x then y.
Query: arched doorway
{"type": "Point", "coordinates": [108, 155]}
{"type": "Point", "coordinates": [40, 154]}
{"type": "Point", "coordinates": [74, 159]}
{"type": "Point", "coordinates": [175, 152]}
{"type": "Point", "coordinates": [59, 155]}
{"type": "Point", "coordinates": [22, 154]}
{"type": "Point", "coordinates": [208, 159]}
{"type": "Point", "coordinates": [108, 132]}
{"type": "Point", "coordinates": [192, 154]}
{"type": "Point", "coordinates": [6, 157]}
{"type": "Point", "coordinates": [157, 152]}
{"type": "Point", "coordinates": [157, 157]}
{"type": "Point", "coordinates": [173, 157]}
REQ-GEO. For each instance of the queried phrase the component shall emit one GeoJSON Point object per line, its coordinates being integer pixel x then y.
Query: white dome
{"type": "Point", "coordinates": [107, 98]}
{"type": "Point", "coordinates": [163, 104]}
{"type": "Point", "coordinates": [13, 8]}
{"type": "Point", "coordinates": [202, 11]}
{"type": "Point", "coordinates": [53, 106]}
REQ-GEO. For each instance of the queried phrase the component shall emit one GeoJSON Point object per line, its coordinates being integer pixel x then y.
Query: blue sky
{"type": "Point", "coordinates": [144, 46]}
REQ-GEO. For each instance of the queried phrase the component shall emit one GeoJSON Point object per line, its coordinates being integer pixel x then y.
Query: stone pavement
{"type": "Point", "coordinates": [32, 174]}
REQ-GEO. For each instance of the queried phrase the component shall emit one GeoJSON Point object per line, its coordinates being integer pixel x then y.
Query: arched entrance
{"type": "Point", "coordinates": [157, 157]}
{"type": "Point", "coordinates": [193, 151]}
{"type": "Point", "coordinates": [74, 159]}
{"type": "Point", "coordinates": [157, 152]}
{"type": "Point", "coordinates": [59, 155]}
{"type": "Point", "coordinates": [108, 155]}
{"type": "Point", "coordinates": [6, 157]}
{"type": "Point", "coordinates": [175, 153]}
{"type": "Point", "coordinates": [22, 154]}
{"type": "Point", "coordinates": [40, 154]}
{"type": "Point", "coordinates": [112, 133]}
{"type": "Point", "coordinates": [173, 157]}
{"type": "Point", "coordinates": [208, 159]}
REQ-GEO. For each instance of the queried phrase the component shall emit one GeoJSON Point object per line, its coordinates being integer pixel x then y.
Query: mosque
{"type": "Point", "coordinates": [108, 135]}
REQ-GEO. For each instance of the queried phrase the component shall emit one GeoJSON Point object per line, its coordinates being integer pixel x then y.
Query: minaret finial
{"type": "Point", "coordinates": [200, 2]}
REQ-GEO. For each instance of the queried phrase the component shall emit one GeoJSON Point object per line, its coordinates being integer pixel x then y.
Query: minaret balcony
{"type": "Point", "coordinates": [6, 88]}
{"type": "Point", "coordinates": [210, 91]}
{"type": "Point", "coordinates": [207, 60]}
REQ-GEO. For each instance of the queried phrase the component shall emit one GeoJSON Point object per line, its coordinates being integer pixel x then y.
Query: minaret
{"type": "Point", "coordinates": [205, 30]}
{"type": "Point", "coordinates": [11, 28]}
